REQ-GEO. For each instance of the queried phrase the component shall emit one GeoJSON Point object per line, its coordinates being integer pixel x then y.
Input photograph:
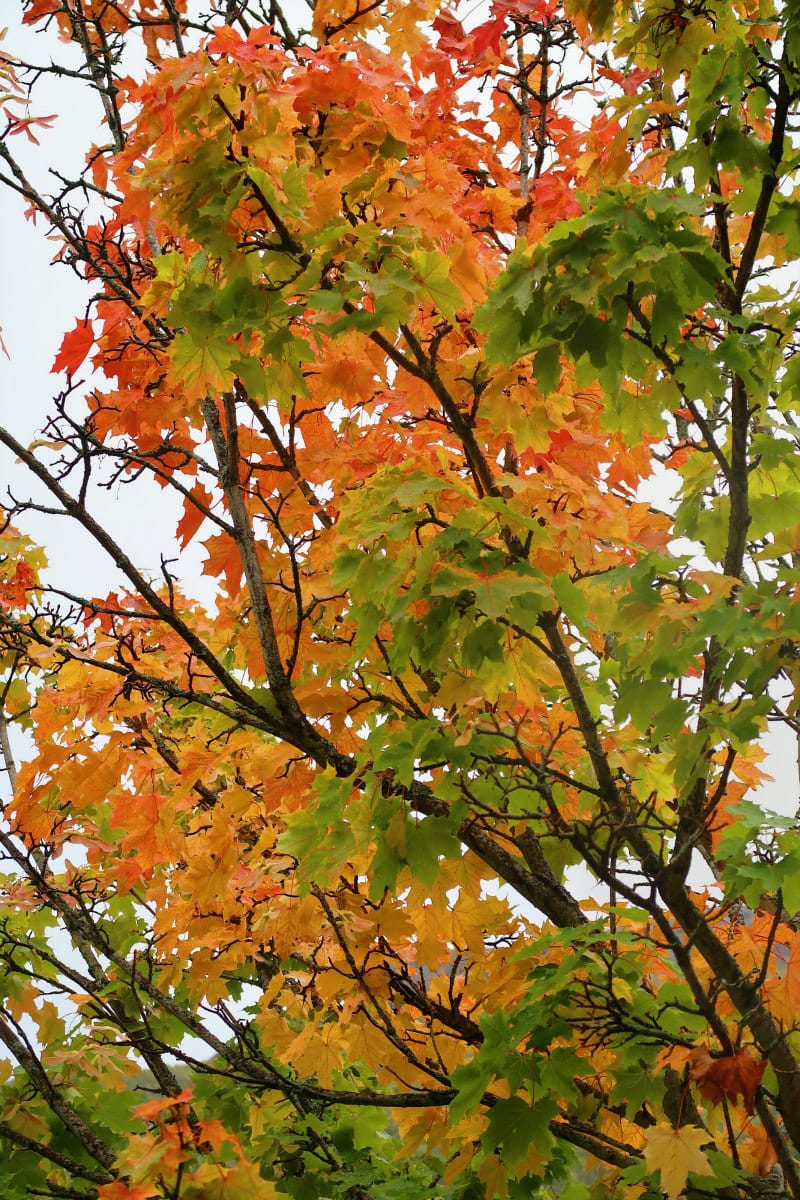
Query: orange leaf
{"type": "Point", "coordinates": [74, 348]}
{"type": "Point", "coordinates": [214, 1135]}
{"type": "Point", "coordinates": [38, 10]}
{"type": "Point", "coordinates": [153, 1108]}
{"type": "Point", "coordinates": [757, 1151]}
{"type": "Point", "coordinates": [122, 1191]}
{"type": "Point", "coordinates": [13, 591]}
{"type": "Point", "coordinates": [729, 1076]}
{"type": "Point", "coordinates": [193, 516]}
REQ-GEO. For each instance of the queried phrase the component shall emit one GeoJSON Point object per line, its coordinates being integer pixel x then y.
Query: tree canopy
{"type": "Point", "coordinates": [417, 849]}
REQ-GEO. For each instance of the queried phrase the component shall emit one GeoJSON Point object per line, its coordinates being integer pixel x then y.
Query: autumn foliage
{"type": "Point", "coordinates": [417, 847]}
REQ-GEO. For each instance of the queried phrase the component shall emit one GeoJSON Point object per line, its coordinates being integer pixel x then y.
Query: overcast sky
{"type": "Point", "coordinates": [39, 303]}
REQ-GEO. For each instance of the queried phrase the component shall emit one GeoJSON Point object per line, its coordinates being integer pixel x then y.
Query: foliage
{"type": "Point", "coordinates": [420, 851]}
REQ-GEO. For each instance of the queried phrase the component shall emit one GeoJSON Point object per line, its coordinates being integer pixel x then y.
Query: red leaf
{"type": "Point", "coordinates": [534, 10]}
{"type": "Point", "coordinates": [488, 35]}
{"type": "Point", "coordinates": [74, 348]}
{"type": "Point", "coordinates": [452, 38]}
{"type": "Point", "coordinates": [13, 591]}
{"type": "Point", "coordinates": [193, 516]}
{"type": "Point", "coordinates": [40, 9]}
{"type": "Point", "coordinates": [730, 1076]}
{"type": "Point", "coordinates": [559, 439]}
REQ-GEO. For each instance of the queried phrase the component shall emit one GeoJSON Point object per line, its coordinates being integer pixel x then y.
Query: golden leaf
{"type": "Point", "coordinates": [676, 1153]}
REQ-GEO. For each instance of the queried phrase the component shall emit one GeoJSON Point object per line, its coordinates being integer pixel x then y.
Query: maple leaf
{"type": "Point", "coordinates": [152, 1109]}
{"type": "Point", "coordinates": [149, 831]}
{"type": "Point", "coordinates": [676, 1153]}
{"type": "Point", "coordinates": [757, 1151]}
{"type": "Point", "coordinates": [224, 559]}
{"type": "Point", "coordinates": [203, 363]}
{"type": "Point", "coordinates": [488, 35]}
{"type": "Point", "coordinates": [727, 1076]}
{"type": "Point", "coordinates": [75, 346]}
{"type": "Point", "coordinates": [39, 9]}
{"type": "Point", "coordinates": [193, 515]}
{"type": "Point", "coordinates": [214, 1135]}
{"type": "Point", "coordinates": [452, 38]}
{"type": "Point", "coordinates": [120, 1190]}
{"type": "Point", "coordinates": [458, 642]}
{"type": "Point", "coordinates": [13, 591]}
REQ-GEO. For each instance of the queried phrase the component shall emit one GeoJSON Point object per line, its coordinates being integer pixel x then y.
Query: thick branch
{"type": "Point", "coordinates": [288, 463]}
{"type": "Point", "coordinates": [61, 1160]}
{"type": "Point", "coordinates": [538, 885]}
{"type": "Point", "coordinates": [770, 1037]}
{"type": "Point", "coordinates": [226, 448]}
{"type": "Point", "coordinates": [93, 1145]}
{"type": "Point", "coordinates": [9, 765]}
{"type": "Point", "coordinates": [739, 516]}
{"type": "Point", "coordinates": [769, 183]}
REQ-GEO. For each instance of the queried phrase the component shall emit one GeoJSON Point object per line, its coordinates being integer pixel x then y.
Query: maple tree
{"type": "Point", "coordinates": [427, 855]}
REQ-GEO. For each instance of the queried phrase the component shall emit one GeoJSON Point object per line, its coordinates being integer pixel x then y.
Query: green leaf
{"type": "Point", "coordinates": [265, 699]}
{"type": "Point", "coordinates": [484, 643]}
{"type": "Point", "coordinates": [510, 1129]}
{"type": "Point", "coordinates": [570, 598]}
{"type": "Point", "coordinates": [547, 368]}
{"type": "Point", "coordinates": [319, 837]}
{"type": "Point", "coordinates": [433, 271]}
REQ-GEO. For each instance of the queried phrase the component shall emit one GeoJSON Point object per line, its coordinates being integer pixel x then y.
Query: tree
{"type": "Point", "coordinates": [427, 856]}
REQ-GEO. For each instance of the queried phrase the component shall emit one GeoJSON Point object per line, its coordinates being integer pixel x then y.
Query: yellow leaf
{"type": "Point", "coordinates": [493, 1174]}
{"type": "Point", "coordinates": [259, 1109]}
{"type": "Point", "coordinates": [50, 1022]}
{"type": "Point", "coordinates": [622, 990]}
{"type": "Point", "coordinates": [676, 1152]}
{"type": "Point", "coordinates": [468, 275]}
{"type": "Point", "coordinates": [317, 1051]}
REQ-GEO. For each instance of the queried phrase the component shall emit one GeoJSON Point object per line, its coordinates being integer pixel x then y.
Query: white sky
{"type": "Point", "coordinates": [39, 302]}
